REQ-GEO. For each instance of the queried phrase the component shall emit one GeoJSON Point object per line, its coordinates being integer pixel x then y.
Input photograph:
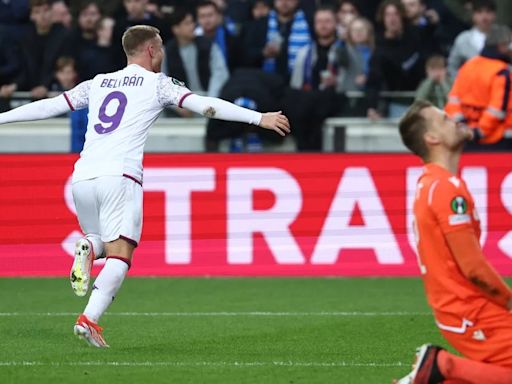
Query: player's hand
{"type": "Point", "coordinates": [7, 90]}
{"type": "Point", "coordinates": [271, 51]}
{"type": "Point", "coordinates": [432, 16]}
{"type": "Point", "coordinates": [360, 80]}
{"type": "Point", "coordinates": [329, 81]}
{"type": "Point", "coordinates": [275, 121]}
{"type": "Point", "coordinates": [477, 135]}
{"type": "Point", "coordinates": [39, 92]}
{"type": "Point", "coordinates": [373, 115]}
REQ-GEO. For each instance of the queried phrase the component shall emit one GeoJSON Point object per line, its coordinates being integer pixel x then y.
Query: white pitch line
{"type": "Point", "coordinates": [334, 364]}
{"type": "Point", "coordinates": [226, 314]}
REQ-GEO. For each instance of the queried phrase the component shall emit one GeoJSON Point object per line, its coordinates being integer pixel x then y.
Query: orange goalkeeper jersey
{"type": "Point", "coordinates": [444, 205]}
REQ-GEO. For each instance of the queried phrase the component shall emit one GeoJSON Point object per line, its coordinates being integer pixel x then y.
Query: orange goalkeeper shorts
{"type": "Point", "coordinates": [488, 340]}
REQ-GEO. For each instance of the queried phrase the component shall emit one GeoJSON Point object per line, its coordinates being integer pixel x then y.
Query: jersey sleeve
{"type": "Point", "coordinates": [450, 204]}
{"type": "Point", "coordinates": [78, 97]}
{"type": "Point", "coordinates": [171, 91]}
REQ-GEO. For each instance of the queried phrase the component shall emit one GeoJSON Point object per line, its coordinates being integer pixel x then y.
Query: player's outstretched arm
{"type": "Point", "coordinates": [37, 110]}
{"type": "Point", "coordinates": [76, 98]}
{"type": "Point", "coordinates": [215, 108]}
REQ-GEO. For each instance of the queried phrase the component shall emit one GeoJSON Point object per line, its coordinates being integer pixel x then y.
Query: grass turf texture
{"type": "Point", "coordinates": [218, 331]}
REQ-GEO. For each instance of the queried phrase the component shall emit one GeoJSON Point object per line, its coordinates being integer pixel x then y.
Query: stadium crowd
{"type": "Point", "coordinates": [301, 56]}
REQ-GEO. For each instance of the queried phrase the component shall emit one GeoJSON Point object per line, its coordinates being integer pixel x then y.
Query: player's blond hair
{"type": "Point", "coordinates": [413, 127]}
{"type": "Point", "coordinates": [134, 37]}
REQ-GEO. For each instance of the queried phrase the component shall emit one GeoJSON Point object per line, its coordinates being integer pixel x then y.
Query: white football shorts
{"type": "Point", "coordinates": [110, 206]}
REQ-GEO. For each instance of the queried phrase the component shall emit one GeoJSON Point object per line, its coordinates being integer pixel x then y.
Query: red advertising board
{"type": "Point", "coordinates": [251, 215]}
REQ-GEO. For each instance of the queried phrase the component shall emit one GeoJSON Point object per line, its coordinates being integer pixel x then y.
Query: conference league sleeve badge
{"type": "Point", "coordinates": [459, 207]}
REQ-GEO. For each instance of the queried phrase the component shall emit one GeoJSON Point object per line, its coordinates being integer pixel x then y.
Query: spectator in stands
{"type": "Point", "coordinates": [481, 93]}
{"type": "Point", "coordinates": [105, 59]}
{"type": "Point", "coordinates": [272, 42]}
{"type": "Point", "coordinates": [211, 26]}
{"type": "Point", "coordinates": [221, 4]}
{"type": "Point", "coordinates": [112, 8]}
{"type": "Point", "coordinates": [427, 22]}
{"type": "Point", "coordinates": [66, 75]}
{"type": "Point", "coordinates": [61, 14]}
{"type": "Point", "coordinates": [461, 9]}
{"type": "Point", "coordinates": [347, 11]}
{"type": "Point", "coordinates": [229, 9]}
{"type": "Point", "coordinates": [260, 8]}
{"type": "Point", "coordinates": [310, 6]}
{"type": "Point", "coordinates": [89, 14]}
{"type": "Point", "coordinates": [237, 13]}
{"type": "Point", "coordinates": [194, 59]}
{"type": "Point", "coordinates": [135, 14]}
{"type": "Point", "coordinates": [397, 63]}
{"type": "Point", "coordinates": [10, 66]}
{"type": "Point", "coordinates": [168, 6]}
{"type": "Point", "coordinates": [469, 43]}
{"type": "Point", "coordinates": [154, 8]}
{"type": "Point", "coordinates": [417, 14]}
{"type": "Point", "coordinates": [504, 14]}
{"type": "Point", "coordinates": [40, 48]}
{"type": "Point", "coordinates": [14, 11]}
{"type": "Point", "coordinates": [436, 86]}
{"type": "Point", "coordinates": [91, 57]}
{"type": "Point", "coordinates": [317, 77]}
{"type": "Point", "coordinates": [319, 65]}
{"type": "Point", "coordinates": [65, 78]}
{"type": "Point", "coordinates": [360, 43]}
{"type": "Point", "coordinates": [368, 8]}
{"type": "Point", "coordinates": [105, 32]}
{"type": "Point", "coordinates": [455, 17]}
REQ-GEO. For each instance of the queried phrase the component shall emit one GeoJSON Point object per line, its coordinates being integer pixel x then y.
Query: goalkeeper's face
{"type": "Point", "coordinates": [445, 132]}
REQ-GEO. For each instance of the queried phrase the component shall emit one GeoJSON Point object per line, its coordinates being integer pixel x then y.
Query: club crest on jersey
{"type": "Point", "coordinates": [177, 82]}
{"type": "Point", "coordinates": [459, 205]}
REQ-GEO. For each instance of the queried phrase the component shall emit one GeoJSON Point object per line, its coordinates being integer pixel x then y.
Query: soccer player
{"type": "Point", "coordinates": [107, 179]}
{"type": "Point", "coordinates": [470, 301]}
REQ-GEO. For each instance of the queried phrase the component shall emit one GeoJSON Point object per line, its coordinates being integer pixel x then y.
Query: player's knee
{"type": "Point", "coordinates": [120, 248]}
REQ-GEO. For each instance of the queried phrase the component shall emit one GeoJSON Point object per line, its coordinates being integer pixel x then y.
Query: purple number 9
{"type": "Point", "coordinates": [115, 119]}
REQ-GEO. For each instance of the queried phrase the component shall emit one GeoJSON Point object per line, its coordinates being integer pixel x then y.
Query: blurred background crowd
{"type": "Point", "coordinates": [312, 59]}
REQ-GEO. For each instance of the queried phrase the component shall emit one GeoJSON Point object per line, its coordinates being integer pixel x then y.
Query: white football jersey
{"type": "Point", "coordinates": [122, 107]}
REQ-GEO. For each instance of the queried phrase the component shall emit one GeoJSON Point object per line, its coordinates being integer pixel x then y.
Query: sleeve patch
{"type": "Point", "coordinates": [170, 91]}
{"type": "Point", "coordinates": [177, 82]}
{"type": "Point", "coordinates": [459, 205]}
{"type": "Point", "coordinates": [459, 219]}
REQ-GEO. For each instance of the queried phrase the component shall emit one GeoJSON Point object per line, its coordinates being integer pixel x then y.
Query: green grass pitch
{"type": "Point", "coordinates": [218, 331]}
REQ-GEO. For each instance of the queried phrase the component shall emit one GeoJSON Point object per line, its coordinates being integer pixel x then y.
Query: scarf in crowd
{"type": "Point", "coordinates": [220, 39]}
{"type": "Point", "coordinates": [311, 59]}
{"type": "Point", "coordinates": [365, 52]}
{"type": "Point", "coordinates": [299, 37]}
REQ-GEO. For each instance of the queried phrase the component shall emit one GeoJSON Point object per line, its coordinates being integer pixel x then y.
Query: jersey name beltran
{"type": "Point", "coordinates": [122, 107]}
{"type": "Point", "coordinates": [134, 81]}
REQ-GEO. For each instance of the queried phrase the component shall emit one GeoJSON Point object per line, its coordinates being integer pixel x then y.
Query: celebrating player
{"type": "Point", "coordinates": [470, 301]}
{"type": "Point", "coordinates": [107, 179]}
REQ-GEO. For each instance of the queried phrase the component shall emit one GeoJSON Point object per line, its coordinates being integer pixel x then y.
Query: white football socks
{"type": "Point", "coordinates": [97, 245]}
{"type": "Point", "coordinates": [105, 288]}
